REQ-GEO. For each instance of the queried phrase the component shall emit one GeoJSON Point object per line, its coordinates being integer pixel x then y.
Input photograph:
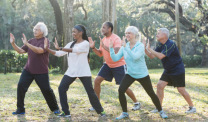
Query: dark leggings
{"type": "Point", "coordinates": [42, 81]}
{"type": "Point", "coordinates": [87, 82]}
{"type": "Point", "coordinates": [146, 84]}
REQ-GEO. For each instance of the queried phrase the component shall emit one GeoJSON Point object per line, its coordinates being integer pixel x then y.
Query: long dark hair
{"type": "Point", "coordinates": [82, 29]}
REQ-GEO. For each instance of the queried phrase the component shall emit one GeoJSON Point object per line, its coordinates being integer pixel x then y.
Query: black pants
{"type": "Point", "coordinates": [146, 84]}
{"type": "Point", "coordinates": [42, 81]}
{"type": "Point", "coordinates": [87, 82]}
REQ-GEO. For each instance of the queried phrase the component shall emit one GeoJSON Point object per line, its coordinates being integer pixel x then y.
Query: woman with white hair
{"type": "Point", "coordinates": [36, 68]}
{"type": "Point", "coordinates": [134, 55]}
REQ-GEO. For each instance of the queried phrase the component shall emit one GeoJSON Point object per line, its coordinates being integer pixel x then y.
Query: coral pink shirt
{"type": "Point", "coordinates": [116, 43]}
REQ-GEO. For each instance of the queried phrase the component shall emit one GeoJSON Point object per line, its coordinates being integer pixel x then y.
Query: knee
{"type": "Point", "coordinates": [160, 86]}
{"type": "Point", "coordinates": [181, 90]}
{"type": "Point", "coordinates": [97, 82]}
{"type": "Point", "coordinates": [121, 91]}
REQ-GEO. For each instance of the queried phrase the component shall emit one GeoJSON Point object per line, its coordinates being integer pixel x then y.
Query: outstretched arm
{"type": "Point", "coordinates": [94, 49]}
{"type": "Point", "coordinates": [152, 53]}
{"type": "Point", "coordinates": [56, 53]}
{"type": "Point", "coordinates": [115, 57]}
{"type": "Point", "coordinates": [18, 49]}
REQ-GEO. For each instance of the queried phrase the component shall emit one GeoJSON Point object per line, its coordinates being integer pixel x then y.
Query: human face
{"type": "Point", "coordinates": [160, 36]}
{"type": "Point", "coordinates": [130, 36]}
{"type": "Point", "coordinates": [37, 32]}
{"type": "Point", "coordinates": [76, 34]}
{"type": "Point", "coordinates": [105, 30]}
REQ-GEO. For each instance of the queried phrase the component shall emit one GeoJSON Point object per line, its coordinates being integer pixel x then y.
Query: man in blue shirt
{"type": "Point", "coordinates": [174, 71]}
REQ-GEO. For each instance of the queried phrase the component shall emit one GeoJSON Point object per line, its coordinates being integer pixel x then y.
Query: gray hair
{"type": "Point", "coordinates": [43, 28]}
{"type": "Point", "coordinates": [135, 31]}
{"type": "Point", "coordinates": [165, 31]}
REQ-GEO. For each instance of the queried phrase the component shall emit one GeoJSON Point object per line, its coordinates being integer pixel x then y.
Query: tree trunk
{"type": "Point", "coordinates": [178, 26]}
{"type": "Point", "coordinates": [68, 25]}
{"type": "Point", "coordinates": [109, 12]}
{"type": "Point", "coordinates": [204, 56]}
{"type": "Point", "coordinates": [58, 17]}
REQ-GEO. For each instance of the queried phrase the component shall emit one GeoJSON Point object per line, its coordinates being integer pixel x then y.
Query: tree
{"type": "Point", "coordinates": [109, 12]}
{"type": "Point", "coordinates": [198, 25]}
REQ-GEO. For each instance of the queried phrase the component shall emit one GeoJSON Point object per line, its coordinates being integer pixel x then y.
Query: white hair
{"type": "Point", "coordinates": [165, 31]}
{"type": "Point", "coordinates": [135, 31]}
{"type": "Point", "coordinates": [43, 28]}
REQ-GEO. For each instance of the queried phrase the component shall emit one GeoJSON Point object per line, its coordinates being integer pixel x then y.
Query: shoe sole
{"type": "Point", "coordinates": [18, 114]}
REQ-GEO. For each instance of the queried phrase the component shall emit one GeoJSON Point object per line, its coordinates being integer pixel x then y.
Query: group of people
{"type": "Point", "coordinates": [124, 61]}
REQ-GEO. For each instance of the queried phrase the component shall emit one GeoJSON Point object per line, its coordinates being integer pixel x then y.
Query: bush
{"type": "Point", "coordinates": [11, 61]}
{"type": "Point", "coordinates": [192, 60]}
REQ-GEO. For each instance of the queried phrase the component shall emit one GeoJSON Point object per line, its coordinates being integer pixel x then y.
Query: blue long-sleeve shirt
{"type": "Point", "coordinates": [134, 58]}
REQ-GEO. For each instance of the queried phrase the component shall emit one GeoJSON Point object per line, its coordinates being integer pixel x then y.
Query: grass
{"type": "Point", "coordinates": [174, 104]}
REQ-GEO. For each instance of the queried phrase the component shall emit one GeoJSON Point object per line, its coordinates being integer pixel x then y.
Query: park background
{"type": "Point", "coordinates": [20, 16]}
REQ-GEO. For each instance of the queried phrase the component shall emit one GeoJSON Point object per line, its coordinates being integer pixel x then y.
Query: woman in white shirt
{"type": "Point", "coordinates": [78, 67]}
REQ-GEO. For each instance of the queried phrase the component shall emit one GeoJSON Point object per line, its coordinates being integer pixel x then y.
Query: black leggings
{"type": "Point", "coordinates": [87, 82]}
{"type": "Point", "coordinates": [42, 81]}
{"type": "Point", "coordinates": [146, 84]}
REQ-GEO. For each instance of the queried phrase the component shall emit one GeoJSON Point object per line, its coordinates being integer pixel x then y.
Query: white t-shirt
{"type": "Point", "coordinates": [78, 65]}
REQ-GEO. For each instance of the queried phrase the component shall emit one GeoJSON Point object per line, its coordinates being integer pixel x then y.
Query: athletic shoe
{"type": "Point", "coordinates": [103, 114]}
{"type": "Point", "coordinates": [91, 109]}
{"type": "Point", "coordinates": [19, 112]}
{"type": "Point", "coordinates": [56, 112]}
{"type": "Point", "coordinates": [154, 111]}
{"type": "Point", "coordinates": [191, 110]}
{"type": "Point", "coordinates": [64, 115]}
{"type": "Point", "coordinates": [137, 106]}
{"type": "Point", "coordinates": [163, 114]}
{"type": "Point", "coordinates": [123, 116]}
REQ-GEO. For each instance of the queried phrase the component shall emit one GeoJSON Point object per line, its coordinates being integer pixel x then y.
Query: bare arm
{"type": "Point", "coordinates": [94, 49]}
{"type": "Point", "coordinates": [152, 53]}
{"type": "Point", "coordinates": [18, 49]}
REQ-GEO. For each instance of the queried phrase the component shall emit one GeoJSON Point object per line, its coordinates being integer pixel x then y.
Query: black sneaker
{"type": "Point", "coordinates": [19, 112]}
{"type": "Point", "coordinates": [64, 115]}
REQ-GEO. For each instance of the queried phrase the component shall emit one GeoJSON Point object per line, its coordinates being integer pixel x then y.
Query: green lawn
{"type": "Point", "coordinates": [174, 104]}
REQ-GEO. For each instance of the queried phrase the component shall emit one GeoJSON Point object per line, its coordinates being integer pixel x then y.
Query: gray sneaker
{"type": "Point", "coordinates": [91, 109]}
{"type": "Point", "coordinates": [137, 106]}
{"type": "Point", "coordinates": [123, 116]}
{"type": "Point", "coordinates": [163, 114]}
{"type": "Point", "coordinates": [191, 110]}
{"type": "Point", "coordinates": [154, 111]}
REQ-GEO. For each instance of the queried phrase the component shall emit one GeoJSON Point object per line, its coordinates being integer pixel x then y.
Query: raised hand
{"type": "Point", "coordinates": [24, 39]}
{"type": "Point", "coordinates": [92, 43]}
{"type": "Point", "coordinates": [111, 43]}
{"type": "Point", "coordinates": [148, 45]}
{"type": "Point", "coordinates": [123, 42]}
{"type": "Point", "coordinates": [144, 42]}
{"type": "Point", "coordinates": [46, 43]}
{"type": "Point", "coordinates": [101, 42]}
{"type": "Point", "coordinates": [12, 39]}
{"type": "Point", "coordinates": [56, 44]}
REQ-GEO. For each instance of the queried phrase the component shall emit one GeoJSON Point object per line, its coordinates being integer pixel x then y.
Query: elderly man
{"type": "Point", "coordinates": [36, 68]}
{"type": "Point", "coordinates": [174, 71]}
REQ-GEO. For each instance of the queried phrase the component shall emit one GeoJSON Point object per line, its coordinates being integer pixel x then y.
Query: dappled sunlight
{"type": "Point", "coordinates": [174, 104]}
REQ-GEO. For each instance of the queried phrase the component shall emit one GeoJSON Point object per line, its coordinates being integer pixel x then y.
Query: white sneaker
{"type": "Point", "coordinates": [163, 114]}
{"type": "Point", "coordinates": [191, 110]}
{"type": "Point", "coordinates": [123, 116]}
{"type": "Point", "coordinates": [91, 109]}
{"type": "Point", "coordinates": [154, 111]}
{"type": "Point", "coordinates": [137, 106]}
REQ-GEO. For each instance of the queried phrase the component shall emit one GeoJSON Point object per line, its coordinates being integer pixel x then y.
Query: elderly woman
{"type": "Point", "coordinates": [36, 68]}
{"type": "Point", "coordinates": [78, 67]}
{"type": "Point", "coordinates": [134, 53]}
